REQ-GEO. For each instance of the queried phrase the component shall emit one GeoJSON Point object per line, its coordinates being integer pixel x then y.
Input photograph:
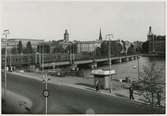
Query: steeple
{"type": "Point", "coordinates": [150, 34]}
{"type": "Point", "coordinates": [100, 36]}
{"type": "Point", "coordinates": [150, 31]}
{"type": "Point", "coordinates": [66, 36]}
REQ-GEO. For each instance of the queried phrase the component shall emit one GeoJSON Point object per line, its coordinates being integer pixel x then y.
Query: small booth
{"type": "Point", "coordinates": [103, 78]}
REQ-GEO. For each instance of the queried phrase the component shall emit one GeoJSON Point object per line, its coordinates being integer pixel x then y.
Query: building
{"type": "Point", "coordinates": [13, 42]}
{"type": "Point", "coordinates": [87, 46]}
{"type": "Point", "coordinates": [156, 43]}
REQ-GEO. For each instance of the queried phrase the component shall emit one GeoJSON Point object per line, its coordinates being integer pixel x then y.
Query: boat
{"type": "Point", "coordinates": [134, 67]}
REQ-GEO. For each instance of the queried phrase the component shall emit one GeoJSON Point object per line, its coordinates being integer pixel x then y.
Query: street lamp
{"type": "Point", "coordinates": [45, 91]}
{"type": "Point", "coordinates": [5, 33]}
{"type": "Point", "coordinates": [108, 37]}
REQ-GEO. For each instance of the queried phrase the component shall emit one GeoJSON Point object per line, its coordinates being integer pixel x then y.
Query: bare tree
{"type": "Point", "coordinates": [153, 83]}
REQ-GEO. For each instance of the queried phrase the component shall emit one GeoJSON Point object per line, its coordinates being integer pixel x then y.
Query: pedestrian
{"type": "Point", "coordinates": [131, 93]}
{"type": "Point", "coordinates": [97, 85]}
{"type": "Point", "coordinates": [158, 98]}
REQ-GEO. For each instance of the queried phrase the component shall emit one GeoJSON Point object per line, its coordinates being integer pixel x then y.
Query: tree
{"type": "Point", "coordinates": [58, 49]}
{"type": "Point", "coordinates": [29, 48]}
{"type": "Point", "coordinates": [14, 50]}
{"type": "Point", "coordinates": [71, 48]}
{"type": "Point", "coordinates": [152, 83]}
{"type": "Point", "coordinates": [20, 47]}
{"type": "Point", "coordinates": [145, 47]}
{"type": "Point", "coordinates": [43, 48]}
{"type": "Point", "coordinates": [98, 52]}
{"type": "Point", "coordinates": [3, 51]}
{"type": "Point", "coordinates": [131, 50]}
{"type": "Point", "coordinates": [104, 48]}
{"type": "Point", "coordinates": [115, 50]}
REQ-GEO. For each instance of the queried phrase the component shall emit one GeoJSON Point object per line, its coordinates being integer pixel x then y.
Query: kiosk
{"type": "Point", "coordinates": [103, 77]}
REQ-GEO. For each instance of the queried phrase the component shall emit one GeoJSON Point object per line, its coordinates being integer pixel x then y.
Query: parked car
{"type": "Point", "coordinates": [57, 72]}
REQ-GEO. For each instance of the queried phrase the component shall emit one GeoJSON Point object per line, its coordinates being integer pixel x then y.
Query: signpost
{"type": "Point", "coordinates": [45, 91]}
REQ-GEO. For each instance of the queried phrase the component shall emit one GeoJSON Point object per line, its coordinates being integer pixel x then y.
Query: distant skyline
{"type": "Point", "coordinates": [48, 20]}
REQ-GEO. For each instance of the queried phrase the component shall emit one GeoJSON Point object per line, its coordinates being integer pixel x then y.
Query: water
{"type": "Point", "coordinates": [130, 69]}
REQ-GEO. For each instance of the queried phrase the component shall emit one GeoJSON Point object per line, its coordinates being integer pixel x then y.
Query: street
{"type": "Point", "coordinates": [63, 99]}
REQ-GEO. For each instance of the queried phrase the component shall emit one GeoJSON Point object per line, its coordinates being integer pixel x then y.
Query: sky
{"type": "Point", "coordinates": [83, 20]}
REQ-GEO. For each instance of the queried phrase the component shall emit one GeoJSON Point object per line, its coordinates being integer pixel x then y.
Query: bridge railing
{"type": "Point", "coordinates": [33, 59]}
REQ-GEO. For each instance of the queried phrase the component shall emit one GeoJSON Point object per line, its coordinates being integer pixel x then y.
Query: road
{"type": "Point", "coordinates": [68, 100]}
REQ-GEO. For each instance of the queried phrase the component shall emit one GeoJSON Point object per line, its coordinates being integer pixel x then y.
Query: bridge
{"type": "Point", "coordinates": [91, 61]}
{"type": "Point", "coordinates": [52, 61]}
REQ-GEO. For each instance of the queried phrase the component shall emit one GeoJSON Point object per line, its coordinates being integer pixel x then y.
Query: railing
{"type": "Point", "coordinates": [35, 59]}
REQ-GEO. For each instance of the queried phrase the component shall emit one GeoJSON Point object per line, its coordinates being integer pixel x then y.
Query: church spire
{"type": "Point", "coordinates": [100, 36]}
{"type": "Point", "coordinates": [150, 31]}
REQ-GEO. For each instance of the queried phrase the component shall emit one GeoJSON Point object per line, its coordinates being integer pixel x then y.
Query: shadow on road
{"type": "Point", "coordinates": [87, 85]}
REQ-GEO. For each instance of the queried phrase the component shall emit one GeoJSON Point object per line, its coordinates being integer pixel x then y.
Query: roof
{"type": "Point", "coordinates": [103, 72]}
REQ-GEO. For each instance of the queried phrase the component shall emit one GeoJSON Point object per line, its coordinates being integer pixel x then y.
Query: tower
{"type": "Point", "coordinates": [151, 41]}
{"type": "Point", "coordinates": [150, 34]}
{"type": "Point", "coordinates": [66, 36]}
{"type": "Point", "coordinates": [100, 36]}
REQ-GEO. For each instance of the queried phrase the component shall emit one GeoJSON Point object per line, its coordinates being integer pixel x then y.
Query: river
{"type": "Point", "coordinates": [130, 69]}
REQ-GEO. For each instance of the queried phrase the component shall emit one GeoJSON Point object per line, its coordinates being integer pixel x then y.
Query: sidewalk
{"type": "Point", "coordinates": [15, 103]}
{"type": "Point", "coordinates": [86, 84]}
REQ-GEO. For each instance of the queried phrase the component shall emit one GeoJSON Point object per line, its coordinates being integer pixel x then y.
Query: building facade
{"type": "Point", "coordinates": [156, 43]}
{"type": "Point", "coordinates": [13, 42]}
{"type": "Point", "coordinates": [87, 46]}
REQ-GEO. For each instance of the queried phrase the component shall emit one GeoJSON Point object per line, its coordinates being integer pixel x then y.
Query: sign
{"type": "Point", "coordinates": [45, 93]}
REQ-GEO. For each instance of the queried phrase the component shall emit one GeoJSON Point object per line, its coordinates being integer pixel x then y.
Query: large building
{"type": "Point", "coordinates": [13, 42]}
{"type": "Point", "coordinates": [89, 46]}
{"type": "Point", "coordinates": [156, 43]}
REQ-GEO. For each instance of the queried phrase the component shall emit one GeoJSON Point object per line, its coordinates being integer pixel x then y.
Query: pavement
{"type": "Point", "coordinates": [67, 99]}
{"type": "Point", "coordinates": [16, 103]}
{"type": "Point", "coordinates": [88, 84]}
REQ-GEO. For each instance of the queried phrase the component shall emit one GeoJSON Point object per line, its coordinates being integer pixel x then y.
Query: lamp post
{"type": "Point", "coordinates": [45, 91]}
{"type": "Point", "coordinates": [44, 79]}
{"type": "Point", "coordinates": [73, 54]}
{"type": "Point", "coordinates": [5, 33]}
{"type": "Point", "coordinates": [138, 66]}
{"type": "Point", "coordinates": [109, 36]}
{"type": "Point", "coordinates": [153, 44]}
{"type": "Point", "coordinates": [70, 53]}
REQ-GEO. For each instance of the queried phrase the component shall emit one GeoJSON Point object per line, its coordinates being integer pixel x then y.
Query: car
{"type": "Point", "coordinates": [21, 71]}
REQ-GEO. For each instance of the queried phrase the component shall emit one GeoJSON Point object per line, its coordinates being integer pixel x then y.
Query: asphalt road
{"type": "Point", "coordinates": [68, 100]}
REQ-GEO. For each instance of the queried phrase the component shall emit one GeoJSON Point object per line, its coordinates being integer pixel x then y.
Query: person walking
{"type": "Point", "coordinates": [97, 85]}
{"type": "Point", "coordinates": [131, 93]}
{"type": "Point", "coordinates": [158, 98]}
